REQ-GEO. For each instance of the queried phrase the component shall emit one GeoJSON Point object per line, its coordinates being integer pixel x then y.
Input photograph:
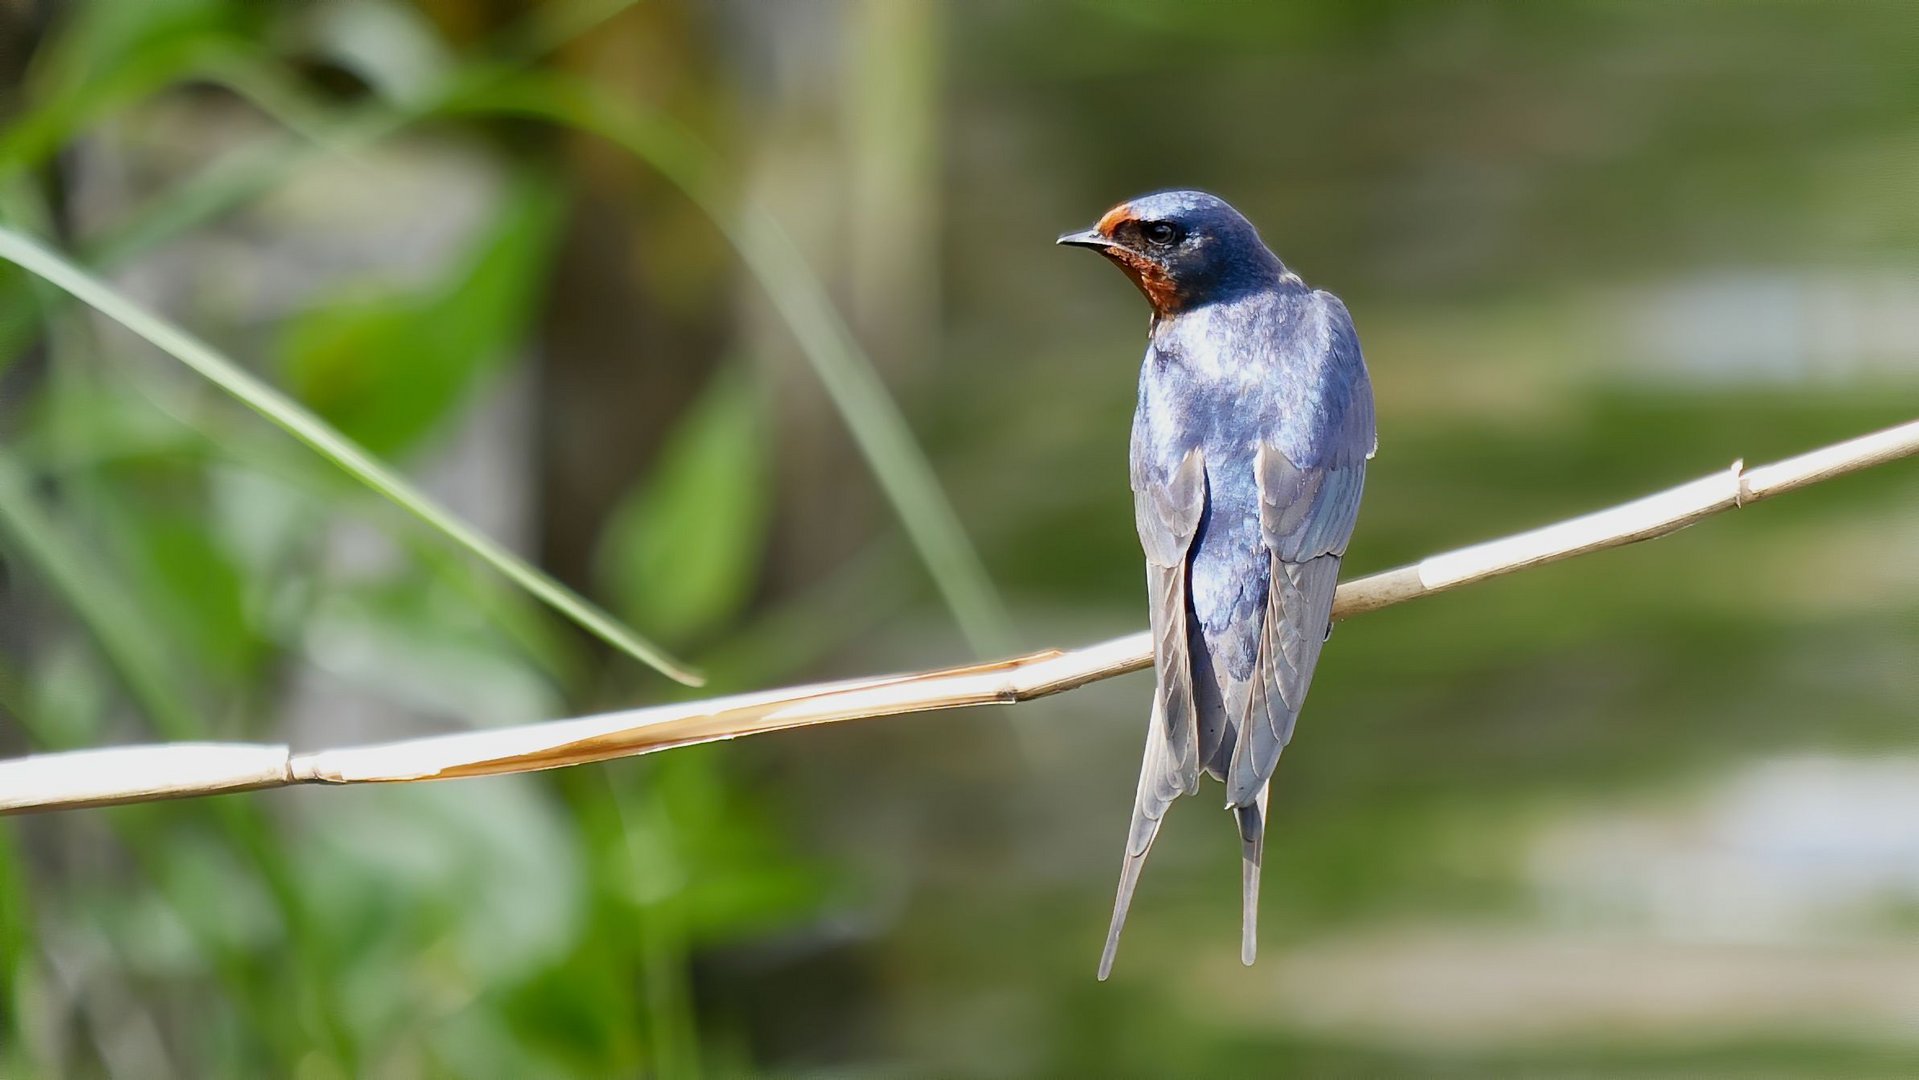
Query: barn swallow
{"type": "Point", "coordinates": [1249, 451]}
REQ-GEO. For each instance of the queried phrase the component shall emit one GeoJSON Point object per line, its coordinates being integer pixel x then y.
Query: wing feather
{"type": "Point", "coordinates": [1308, 504]}
{"type": "Point", "coordinates": [1167, 511]}
{"type": "Point", "coordinates": [1307, 509]}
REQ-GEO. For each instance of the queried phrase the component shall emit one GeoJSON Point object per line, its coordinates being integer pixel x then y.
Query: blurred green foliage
{"type": "Point", "coordinates": [1592, 249]}
{"type": "Point", "coordinates": [682, 550]}
{"type": "Point", "coordinates": [382, 365]}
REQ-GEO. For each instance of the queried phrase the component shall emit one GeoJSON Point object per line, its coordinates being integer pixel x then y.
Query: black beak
{"type": "Point", "coordinates": [1089, 238]}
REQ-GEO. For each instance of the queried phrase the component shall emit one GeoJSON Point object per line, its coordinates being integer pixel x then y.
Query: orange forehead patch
{"type": "Point", "coordinates": [1122, 212]}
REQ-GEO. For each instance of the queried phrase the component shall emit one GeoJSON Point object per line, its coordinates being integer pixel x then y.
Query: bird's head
{"type": "Point", "coordinates": [1182, 248]}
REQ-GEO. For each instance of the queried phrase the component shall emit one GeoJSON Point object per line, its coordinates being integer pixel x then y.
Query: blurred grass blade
{"type": "Point", "coordinates": [30, 139]}
{"type": "Point", "coordinates": [105, 611]}
{"type": "Point", "coordinates": [121, 632]}
{"type": "Point", "coordinates": [313, 131]}
{"type": "Point", "coordinates": [881, 433]}
{"type": "Point", "coordinates": [303, 425]}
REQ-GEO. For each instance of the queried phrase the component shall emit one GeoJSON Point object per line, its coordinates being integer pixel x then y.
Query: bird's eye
{"type": "Point", "coordinates": [1163, 234]}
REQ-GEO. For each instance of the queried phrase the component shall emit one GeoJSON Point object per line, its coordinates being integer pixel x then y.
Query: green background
{"type": "Point", "coordinates": [582, 272]}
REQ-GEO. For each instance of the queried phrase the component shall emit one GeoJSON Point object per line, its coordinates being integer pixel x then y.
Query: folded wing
{"type": "Point", "coordinates": [1167, 509]}
{"type": "Point", "coordinates": [1309, 500]}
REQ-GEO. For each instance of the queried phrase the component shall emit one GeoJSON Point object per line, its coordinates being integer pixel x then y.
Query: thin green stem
{"type": "Point", "coordinates": [879, 430]}
{"type": "Point", "coordinates": [302, 424]}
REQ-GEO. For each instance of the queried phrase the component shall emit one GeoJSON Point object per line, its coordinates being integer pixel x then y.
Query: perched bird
{"type": "Point", "coordinates": [1250, 445]}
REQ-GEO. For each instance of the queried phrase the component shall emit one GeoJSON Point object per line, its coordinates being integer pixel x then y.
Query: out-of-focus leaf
{"type": "Point", "coordinates": [16, 937]}
{"type": "Point", "coordinates": [150, 524]}
{"type": "Point", "coordinates": [736, 877]}
{"type": "Point", "coordinates": [113, 54]}
{"type": "Point", "coordinates": [122, 632]}
{"type": "Point", "coordinates": [682, 549]}
{"type": "Point", "coordinates": [414, 640]}
{"type": "Point", "coordinates": [118, 627]}
{"type": "Point", "coordinates": [387, 367]}
{"type": "Point", "coordinates": [392, 46]}
{"type": "Point", "coordinates": [103, 425]}
{"type": "Point", "coordinates": [188, 574]}
{"type": "Point", "coordinates": [501, 879]}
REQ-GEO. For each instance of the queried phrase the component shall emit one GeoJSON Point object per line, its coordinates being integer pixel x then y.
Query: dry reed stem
{"type": "Point", "coordinates": [142, 773]}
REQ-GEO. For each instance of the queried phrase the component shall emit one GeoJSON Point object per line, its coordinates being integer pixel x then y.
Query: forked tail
{"type": "Point", "coordinates": [1252, 846]}
{"type": "Point", "coordinates": [1158, 787]}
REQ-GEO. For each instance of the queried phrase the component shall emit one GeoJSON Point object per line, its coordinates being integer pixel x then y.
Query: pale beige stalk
{"type": "Point", "coordinates": [139, 774]}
